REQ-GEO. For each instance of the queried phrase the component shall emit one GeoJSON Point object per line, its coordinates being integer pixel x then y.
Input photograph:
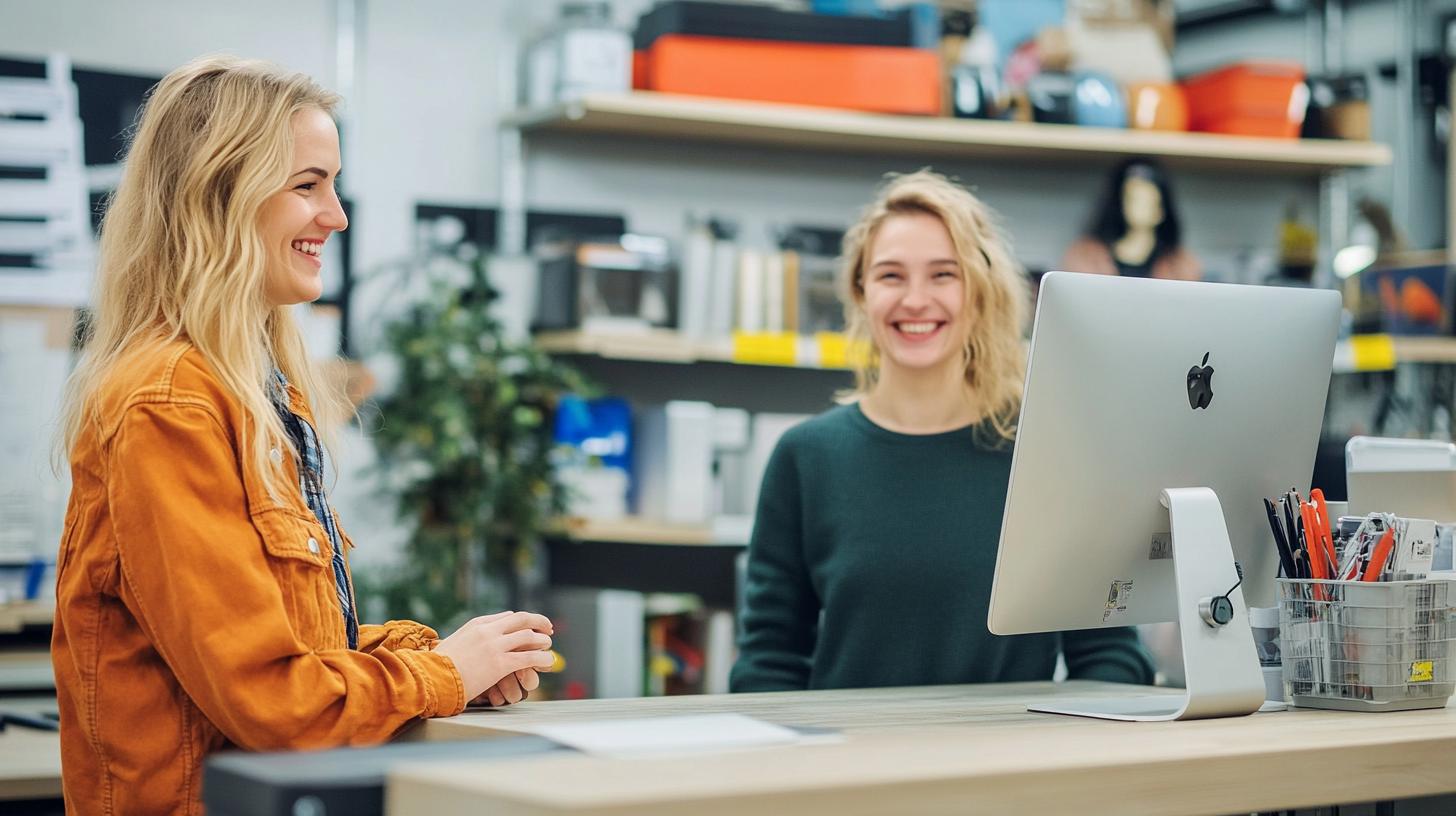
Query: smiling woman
{"type": "Point", "coordinates": [203, 596]}
{"type": "Point", "coordinates": [878, 521]}
{"type": "Point", "coordinates": [296, 221]}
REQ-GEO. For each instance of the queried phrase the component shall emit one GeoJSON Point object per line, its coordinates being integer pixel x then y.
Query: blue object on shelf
{"type": "Point", "coordinates": [34, 572]}
{"type": "Point", "coordinates": [924, 16]}
{"type": "Point", "coordinates": [1098, 101]}
{"type": "Point", "coordinates": [597, 428]}
{"type": "Point", "coordinates": [845, 8]}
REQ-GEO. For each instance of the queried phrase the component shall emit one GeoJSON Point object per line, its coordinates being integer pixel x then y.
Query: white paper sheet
{"type": "Point", "coordinates": [659, 736]}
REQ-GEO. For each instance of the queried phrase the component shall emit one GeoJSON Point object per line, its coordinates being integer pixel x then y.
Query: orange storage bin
{"type": "Point", "coordinates": [1249, 99]}
{"type": "Point", "coordinates": [1156, 106]}
{"type": "Point", "coordinates": [882, 79]}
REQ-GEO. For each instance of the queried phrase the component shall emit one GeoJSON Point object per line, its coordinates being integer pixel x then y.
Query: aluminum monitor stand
{"type": "Point", "coordinates": [1221, 664]}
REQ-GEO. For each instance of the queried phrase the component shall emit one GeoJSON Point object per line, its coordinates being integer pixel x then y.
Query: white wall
{"type": "Point", "coordinates": [155, 36]}
{"type": "Point", "coordinates": [423, 115]}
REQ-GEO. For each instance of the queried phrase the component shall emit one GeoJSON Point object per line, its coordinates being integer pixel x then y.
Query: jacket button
{"type": "Point", "coordinates": [313, 545]}
{"type": "Point", "coordinates": [276, 455]}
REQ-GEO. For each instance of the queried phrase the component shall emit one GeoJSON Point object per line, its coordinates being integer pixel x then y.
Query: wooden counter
{"type": "Point", "coordinates": [950, 749]}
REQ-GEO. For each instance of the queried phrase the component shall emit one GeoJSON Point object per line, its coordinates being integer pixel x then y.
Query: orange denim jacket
{"type": "Point", "coordinates": [194, 613]}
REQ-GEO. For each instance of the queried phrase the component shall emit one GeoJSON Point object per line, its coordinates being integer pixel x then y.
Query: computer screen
{"type": "Point", "coordinates": [1135, 386]}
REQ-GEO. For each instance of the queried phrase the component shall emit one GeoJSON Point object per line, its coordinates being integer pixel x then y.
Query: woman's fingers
{"type": "Point", "coordinates": [525, 639]}
{"type": "Point", "coordinates": [530, 659]}
{"type": "Point", "coordinates": [516, 621]}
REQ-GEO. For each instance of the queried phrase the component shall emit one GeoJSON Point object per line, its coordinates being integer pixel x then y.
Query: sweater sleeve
{"type": "Point", "coordinates": [781, 608]}
{"type": "Point", "coordinates": [1114, 655]}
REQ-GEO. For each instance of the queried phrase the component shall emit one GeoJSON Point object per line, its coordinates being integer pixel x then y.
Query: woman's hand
{"type": "Point", "coordinates": [512, 688]}
{"type": "Point", "coordinates": [494, 648]}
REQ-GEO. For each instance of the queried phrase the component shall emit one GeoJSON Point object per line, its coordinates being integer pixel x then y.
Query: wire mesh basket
{"type": "Point", "coordinates": [1376, 646]}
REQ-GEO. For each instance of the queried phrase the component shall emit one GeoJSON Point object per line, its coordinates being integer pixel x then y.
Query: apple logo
{"type": "Point", "coordinates": [1200, 384]}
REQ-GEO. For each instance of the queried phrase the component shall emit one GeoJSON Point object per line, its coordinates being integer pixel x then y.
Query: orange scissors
{"type": "Point", "coordinates": [1325, 538]}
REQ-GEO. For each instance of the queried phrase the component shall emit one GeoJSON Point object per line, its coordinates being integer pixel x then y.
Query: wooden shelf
{"type": "Point", "coordinates": [1369, 352]}
{"type": "Point", "coordinates": [633, 530]}
{"type": "Point", "coordinates": [1425, 349]}
{"type": "Point", "coordinates": [669, 116]}
{"type": "Point", "coordinates": [1381, 352]}
{"type": "Point", "coordinates": [666, 346]}
{"type": "Point", "coordinates": [658, 346]}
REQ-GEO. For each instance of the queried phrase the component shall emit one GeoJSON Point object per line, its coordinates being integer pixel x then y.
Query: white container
{"type": "Point", "coordinates": [1379, 646]}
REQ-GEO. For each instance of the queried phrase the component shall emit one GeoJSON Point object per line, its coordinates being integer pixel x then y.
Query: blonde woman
{"type": "Point", "coordinates": [204, 599]}
{"type": "Point", "coordinates": [877, 526]}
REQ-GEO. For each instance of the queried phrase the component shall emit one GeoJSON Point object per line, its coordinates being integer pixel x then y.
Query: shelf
{"type": "Point", "coordinates": [1369, 352]}
{"type": "Point", "coordinates": [642, 531]}
{"type": "Point", "coordinates": [685, 117]}
{"type": "Point", "coordinates": [824, 351]}
{"type": "Point", "coordinates": [68, 289]}
{"type": "Point", "coordinates": [1381, 352]}
{"type": "Point", "coordinates": [26, 670]}
{"type": "Point", "coordinates": [1425, 349]}
{"type": "Point", "coordinates": [17, 616]}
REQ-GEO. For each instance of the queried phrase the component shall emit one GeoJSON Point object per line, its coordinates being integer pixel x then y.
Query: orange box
{"type": "Point", "coordinates": [1156, 106]}
{"type": "Point", "coordinates": [1249, 99]}
{"type": "Point", "coordinates": [882, 79]}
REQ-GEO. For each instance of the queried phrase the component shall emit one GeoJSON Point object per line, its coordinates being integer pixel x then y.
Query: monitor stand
{"type": "Point", "coordinates": [1220, 662]}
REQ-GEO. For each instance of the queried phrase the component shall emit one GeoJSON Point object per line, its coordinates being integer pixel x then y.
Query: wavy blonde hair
{"type": "Point", "coordinates": [998, 294]}
{"type": "Point", "coordinates": [180, 252]}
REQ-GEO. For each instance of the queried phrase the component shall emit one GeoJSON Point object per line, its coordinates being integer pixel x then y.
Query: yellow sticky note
{"type": "Point", "coordinates": [1422, 671]}
{"type": "Point", "coordinates": [766, 348]}
{"type": "Point", "coordinates": [1373, 352]}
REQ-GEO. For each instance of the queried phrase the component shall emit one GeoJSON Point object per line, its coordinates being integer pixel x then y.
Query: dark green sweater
{"type": "Point", "coordinates": [871, 565]}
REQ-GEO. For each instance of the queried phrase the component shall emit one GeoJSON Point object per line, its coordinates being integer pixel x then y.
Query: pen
{"type": "Point", "coordinates": [1286, 556]}
{"type": "Point", "coordinates": [1293, 531]}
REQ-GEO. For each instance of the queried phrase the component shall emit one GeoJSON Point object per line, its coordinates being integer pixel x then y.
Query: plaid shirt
{"type": "Point", "coordinates": [311, 482]}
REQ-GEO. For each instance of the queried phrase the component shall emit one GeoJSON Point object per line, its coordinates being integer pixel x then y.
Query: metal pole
{"type": "Point", "coordinates": [1405, 81]}
{"type": "Point", "coordinates": [511, 221]}
{"type": "Point", "coordinates": [1335, 235]}
{"type": "Point", "coordinates": [1334, 42]}
{"type": "Point", "coordinates": [1314, 38]}
{"type": "Point", "coordinates": [1334, 192]}
{"type": "Point", "coordinates": [349, 17]}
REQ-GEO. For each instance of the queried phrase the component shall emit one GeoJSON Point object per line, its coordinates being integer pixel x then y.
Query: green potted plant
{"type": "Point", "coordinates": [465, 439]}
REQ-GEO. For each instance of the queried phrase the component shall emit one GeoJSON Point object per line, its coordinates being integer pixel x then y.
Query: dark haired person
{"type": "Point", "coordinates": [1135, 231]}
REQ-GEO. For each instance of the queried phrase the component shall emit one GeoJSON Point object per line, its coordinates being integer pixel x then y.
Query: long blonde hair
{"type": "Point", "coordinates": [180, 253]}
{"type": "Point", "coordinates": [998, 294]}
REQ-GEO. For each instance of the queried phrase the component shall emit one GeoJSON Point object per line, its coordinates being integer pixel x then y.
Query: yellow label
{"type": "Point", "coordinates": [835, 350]}
{"type": "Point", "coordinates": [1373, 352]}
{"type": "Point", "coordinates": [1422, 671]}
{"type": "Point", "coordinates": [766, 348]}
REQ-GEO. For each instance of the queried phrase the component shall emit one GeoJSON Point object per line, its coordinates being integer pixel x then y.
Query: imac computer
{"type": "Point", "coordinates": [1156, 416]}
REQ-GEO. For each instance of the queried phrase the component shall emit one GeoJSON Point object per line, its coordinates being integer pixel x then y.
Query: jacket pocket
{"type": "Point", "coordinates": [298, 555]}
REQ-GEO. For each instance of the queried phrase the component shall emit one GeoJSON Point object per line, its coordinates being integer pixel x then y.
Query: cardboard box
{"type": "Point", "coordinates": [1129, 52]}
{"type": "Point", "coordinates": [1156, 14]}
